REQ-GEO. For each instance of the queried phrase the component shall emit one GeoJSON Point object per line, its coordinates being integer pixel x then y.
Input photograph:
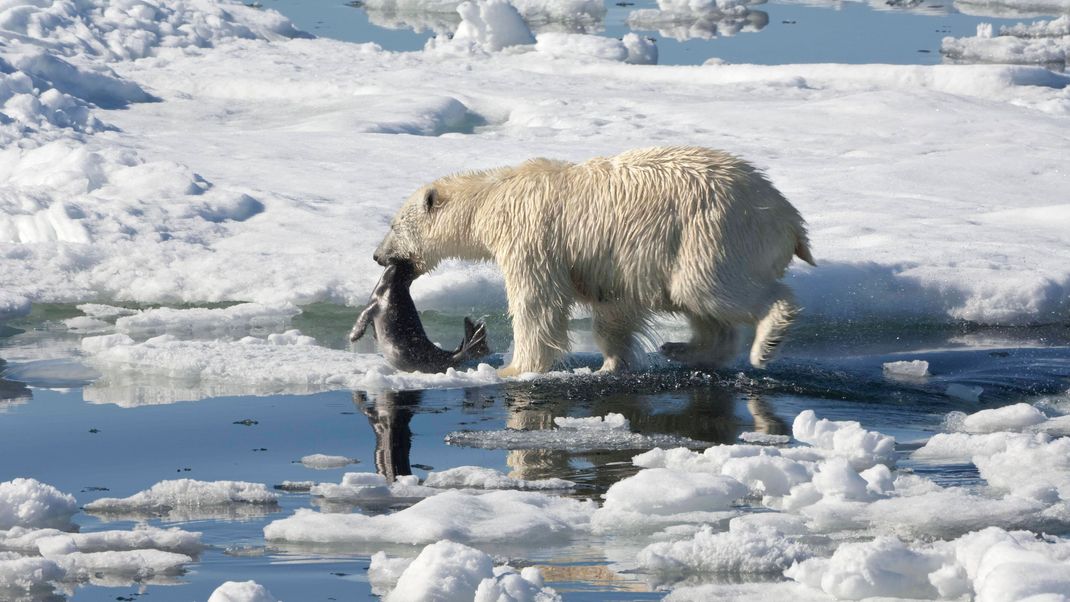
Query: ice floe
{"type": "Point", "coordinates": [572, 434]}
{"type": "Point", "coordinates": [631, 48]}
{"type": "Point", "coordinates": [496, 516]}
{"type": "Point", "coordinates": [325, 461]}
{"type": "Point", "coordinates": [446, 571]}
{"type": "Point", "coordinates": [199, 322]}
{"type": "Point", "coordinates": [906, 369]}
{"type": "Point", "coordinates": [241, 591]}
{"type": "Point", "coordinates": [1042, 42]}
{"type": "Point", "coordinates": [31, 503]}
{"type": "Point", "coordinates": [188, 497]}
{"type": "Point", "coordinates": [360, 487]}
{"type": "Point", "coordinates": [478, 477]}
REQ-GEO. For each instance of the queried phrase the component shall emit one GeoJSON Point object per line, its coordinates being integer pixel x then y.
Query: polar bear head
{"type": "Point", "coordinates": [434, 224]}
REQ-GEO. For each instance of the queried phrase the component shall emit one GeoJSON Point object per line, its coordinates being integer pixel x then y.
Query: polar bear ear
{"type": "Point", "coordinates": [431, 201]}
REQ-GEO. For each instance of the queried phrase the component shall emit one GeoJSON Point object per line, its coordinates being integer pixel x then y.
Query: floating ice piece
{"type": "Point", "coordinates": [186, 493]}
{"type": "Point", "coordinates": [133, 564]}
{"type": "Point", "coordinates": [764, 438]}
{"type": "Point", "coordinates": [486, 26]}
{"type": "Point", "coordinates": [446, 571]}
{"type": "Point", "coordinates": [234, 321]}
{"type": "Point", "coordinates": [143, 537]}
{"type": "Point", "coordinates": [882, 567]}
{"type": "Point", "coordinates": [101, 311]}
{"type": "Point", "coordinates": [478, 477]}
{"type": "Point", "coordinates": [964, 392]}
{"type": "Point", "coordinates": [241, 591]}
{"type": "Point", "coordinates": [630, 49]}
{"type": "Point", "coordinates": [1030, 468]}
{"type": "Point", "coordinates": [86, 324]}
{"type": "Point", "coordinates": [1042, 42]}
{"type": "Point", "coordinates": [28, 573]}
{"type": "Point", "coordinates": [324, 461]}
{"type": "Point", "coordinates": [1012, 418]}
{"type": "Point", "coordinates": [572, 434]}
{"type": "Point", "coordinates": [962, 447]}
{"type": "Point", "coordinates": [746, 548]}
{"type": "Point", "coordinates": [846, 439]}
{"type": "Point", "coordinates": [31, 503]}
{"type": "Point", "coordinates": [906, 369]}
{"type": "Point", "coordinates": [500, 516]}
{"type": "Point", "coordinates": [372, 487]}
{"type": "Point", "coordinates": [665, 491]}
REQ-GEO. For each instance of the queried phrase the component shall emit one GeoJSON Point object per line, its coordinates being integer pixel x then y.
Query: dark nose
{"type": "Point", "coordinates": [378, 259]}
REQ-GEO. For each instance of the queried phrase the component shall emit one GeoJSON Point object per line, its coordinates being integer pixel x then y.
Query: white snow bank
{"type": "Point", "coordinates": [13, 306]}
{"type": "Point", "coordinates": [478, 477]}
{"type": "Point", "coordinates": [31, 503]}
{"type": "Point", "coordinates": [325, 461]}
{"type": "Point", "coordinates": [846, 439]}
{"type": "Point", "coordinates": [573, 434]}
{"type": "Point", "coordinates": [200, 322]}
{"type": "Point", "coordinates": [446, 571]}
{"type": "Point", "coordinates": [991, 565]}
{"type": "Point", "coordinates": [1041, 43]}
{"type": "Point", "coordinates": [241, 591]}
{"type": "Point", "coordinates": [747, 547]}
{"type": "Point", "coordinates": [287, 362]}
{"type": "Point", "coordinates": [500, 516]}
{"type": "Point", "coordinates": [630, 49]}
{"type": "Point", "coordinates": [186, 493]}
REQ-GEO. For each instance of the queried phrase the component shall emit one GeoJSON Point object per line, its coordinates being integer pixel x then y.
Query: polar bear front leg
{"type": "Point", "coordinates": [540, 309]}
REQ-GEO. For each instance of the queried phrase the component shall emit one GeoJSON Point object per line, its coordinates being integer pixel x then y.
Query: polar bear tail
{"type": "Point", "coordinates": [802, 248]}
{"type": "Point", "coordinates": [772, 327]}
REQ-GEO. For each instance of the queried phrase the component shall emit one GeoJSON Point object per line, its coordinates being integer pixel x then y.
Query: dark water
{"type": "Point", "coordinates": [97, 450]}
{"type": "Point", "coordinates": [772, 33]}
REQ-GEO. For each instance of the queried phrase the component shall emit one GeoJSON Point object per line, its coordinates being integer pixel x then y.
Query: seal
{"type": "Point", "coordinates": [397, 327]}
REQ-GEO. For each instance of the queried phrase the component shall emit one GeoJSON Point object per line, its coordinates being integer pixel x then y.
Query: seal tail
{"type": "Point", "coordinates": [475, 343]}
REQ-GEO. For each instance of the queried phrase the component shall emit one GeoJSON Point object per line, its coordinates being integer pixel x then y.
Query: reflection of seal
{"type": "Point", "coordinates": [400, 333]}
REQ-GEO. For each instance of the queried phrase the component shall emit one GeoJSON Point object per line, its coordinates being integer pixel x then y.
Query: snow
{"type": "Point", "coordinates": [186, 493]}
{"type": "Point", "coordinates": [1042, 43]}
{"type": "Point", "coordinates": [744, 548]}
{"type": "Point", "coordinates": [446, 571]}
{"type": "Point", "coordinates": [948, 447]}
{"type": "Point", "coordinates": [630, 49]}
{"type": "Point", "coordinates": [372, 487]}
{"type": "Point", "coordinates": [500, 516]}
{"type": "Point", "coordinates": [31, 503]}
{"type": "Point", "coordinates": [573, 434]}
{"type": "Point", "coordinates": [324, 461]}
{"type": "Point", "coordinates": [28, 573]}
{"type": "Point", "coordinates": [168, 540]}
{"type": "Point", "coordinates": [1008, 418]}
{"type": "Point", "coordinates": [486, 26]}
{"type": "Point", "coordinates": [907, 369]}
{"type": "Point", "coordinates": [234, 321]}
{"type": "Point", "coordinates": [478, 477]}
{"type": "Point", "coordinates": [846, 439]}
{"type": "Point", "coordinates": [241, 591]}
{"type": "Point", "coordinates": [131, 564]}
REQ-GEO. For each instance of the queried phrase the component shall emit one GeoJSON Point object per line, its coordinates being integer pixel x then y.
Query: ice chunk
{"type": "Point", "coordinates": [478, 477]}
{"type": "Point", "coordinates": [764, 438]}
{"type": "Point", "coordinates": [572, 434]}
{"type": "Point", "coordinates": [663, 491]}
{"type": "Point", "coordinates": [882, 567]}
{"type": "Point", "coordinates": [962, 447]}
{"type": "Point", "coordinates": [324, 461]}
{"type": "Point", "coordinates": [906, 369]}
{"type": "Point", "coordinates": [1041, 42]}
{"type": "Point", "coordinates": [186, 494]}
{"type": "Point", "coordinates": [495, 516]}
{"type": "Point", "coordinates": [767, 474]}
{"type": "Point", "coordinates": [446, 571]}
{"type": "Point", "coordinates": [31, 503]}
{"type": "Point", "coordinates": [964, 392]}
{"type": "Point", "coordinates": [1029, 467]}
{"type": "Point", "coordinates": [143, 537]}
{"type": "Point", "coordinates": [384, 572]}
{"type": "Point", "coordinates": [1009, 418]}
{"type": "Point", "coordinates": [744, 548]}
{"type": "Point", "coordinates": [846, 439]}
{"type": "Point", "coordinates": [241, 591]}
{"type": "Point", "coordinates": [101, 311]}
{"type": "Point", "coordinates": [86, 324]}
{"type": "Point", "coordinates": [28, 573]}
{"type": "Point", "coordinates": [372, 487]}
{"type": "Point", "coordinates": [132, 564]}
{"type": "Point", "coordinates": [486, 26]}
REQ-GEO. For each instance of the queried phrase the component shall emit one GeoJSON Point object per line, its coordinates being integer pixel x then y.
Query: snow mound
{"type": "Point", "coordinates": [573, 434]}
{"type": "Point", "coordinates": [241, 591]}
{"type": "Point", "coordinates": [186, 493]}
{"type": "Point", "coordinates": [1040, 43]}
{"type": "Point", "coordinates": [31, 503]}
{"type": "Point", "coordinates": [497, 516]}
{"type": "Point", "coordinates": [486, 26]}
{"type": "Point", "coordinates": [324, 461]}
{"type": "Point", "coordinates": [478, 477]}
{"type": "Point", "coordinates": [446, 571]}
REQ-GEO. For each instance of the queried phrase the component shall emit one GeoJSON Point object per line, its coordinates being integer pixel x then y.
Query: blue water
{"type": "Point", "coordinates": [97, 450]}
{"type": "Point", "coordinates": [846, 32]}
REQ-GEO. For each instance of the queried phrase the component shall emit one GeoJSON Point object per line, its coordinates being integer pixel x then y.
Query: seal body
{"type": "Point", "coordinates": [400, 334]}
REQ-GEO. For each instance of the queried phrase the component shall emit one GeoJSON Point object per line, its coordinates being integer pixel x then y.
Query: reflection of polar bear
{"type": "Point", "coordinates": [685, 230]}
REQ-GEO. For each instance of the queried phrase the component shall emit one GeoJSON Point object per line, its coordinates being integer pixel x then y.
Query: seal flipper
{"type": "Point", "coordinates": [474, 344]}
{"type": "Point", "coordinates": [364, 321]}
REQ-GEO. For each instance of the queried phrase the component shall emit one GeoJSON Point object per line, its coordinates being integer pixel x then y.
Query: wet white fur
{"type": "Point", "coordinates": [686, 230]}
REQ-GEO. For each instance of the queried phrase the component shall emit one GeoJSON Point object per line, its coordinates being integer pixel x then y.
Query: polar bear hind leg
{"type": "Point", "coordinates": [771, 327]}
{"type": "Point", "coordinates": [714, 343]}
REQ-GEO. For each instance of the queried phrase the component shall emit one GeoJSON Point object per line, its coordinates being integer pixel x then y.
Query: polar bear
{"type": "Point", "coordinates": [683, 230]}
